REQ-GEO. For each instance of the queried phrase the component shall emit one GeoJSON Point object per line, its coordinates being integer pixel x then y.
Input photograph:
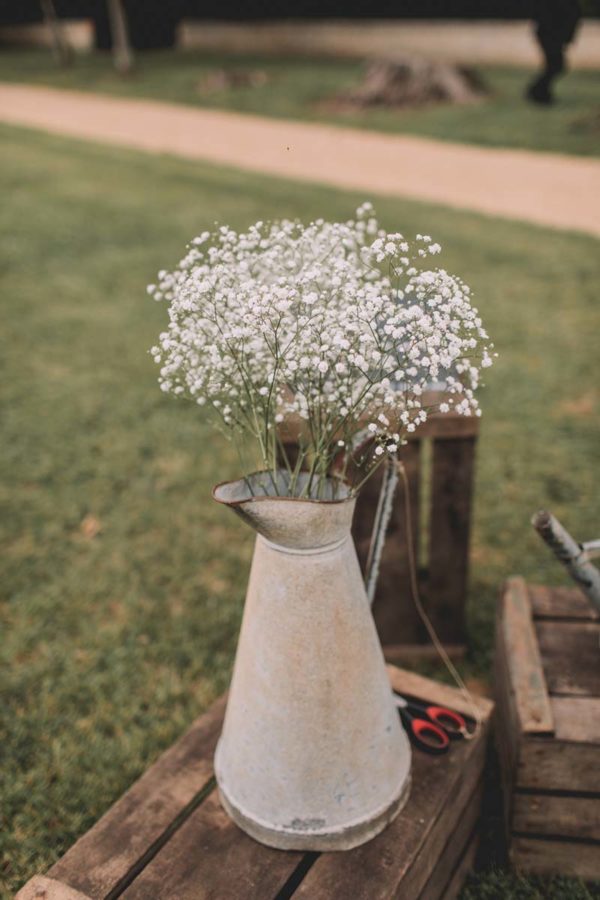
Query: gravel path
{"type": "Point", "coordinates": [546, 189]}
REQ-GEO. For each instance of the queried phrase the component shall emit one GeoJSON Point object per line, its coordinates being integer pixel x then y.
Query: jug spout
{"type": "Point", "coordinates": [296, 523]}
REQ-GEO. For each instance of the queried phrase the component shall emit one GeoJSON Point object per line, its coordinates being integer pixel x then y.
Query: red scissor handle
{"type": "Point", "coordinates": [451, 722]}
{"type": "Point", "coordinates": [429, 737]}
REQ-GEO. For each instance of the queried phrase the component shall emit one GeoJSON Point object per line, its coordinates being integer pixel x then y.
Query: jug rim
{"type": "Point", "coordinates": [278, 497]}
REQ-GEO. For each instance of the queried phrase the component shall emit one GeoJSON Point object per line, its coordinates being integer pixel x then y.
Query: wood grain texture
{"type": "Point", "coordinates": [446, 588]}
{"type": "Point", "coordinates": [465, 865]}
{"type": "Point", "coordinates": [570, 657]}
{"type": "Point", "coordinates": [551, 857]}
{"type": "Point", "coordinates": [412, 654]}
{"type": "Point", "coordinates": [103, 857]}
{"type": "Point", "coordinates": [577, 719]}
{"type": "Point", "coordinates": [548, 764]}
{"type": "Point", "coordinates": [399, 861]}
{"type": "Point", "coordinates": [457, 844]}
{"type": "Point", "coordinates": [560, 603]}
{"type": "Point", "coordinates": [412, 684]}
{"type": "Point", "coordinates": [568, 817]}
{"type": "Point", "coordinates": [41, 888]}
{"type": "Point", "coordinates": [527, 682]}
{"type": "Point", "coordinates": [506, 725]}
{"type": "Point", "coordinates": [210, 858]}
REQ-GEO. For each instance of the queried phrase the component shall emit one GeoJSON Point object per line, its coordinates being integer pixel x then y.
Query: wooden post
{"type": "Point", "coordinates": [452, 485]}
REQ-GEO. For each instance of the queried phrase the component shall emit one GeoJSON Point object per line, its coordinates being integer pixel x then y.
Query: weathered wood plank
{"type": "Point", "coordinates": [577, 719]}
{"type": "Point", "coordinates": [552, 765]}
{"type": "Point", "coordinates": [449, 427]}
{"type": "Point", "coordinates": [393, 864]}
{"type": "Point", "coordinates": [560, 603]}
{"type": "Point", "coordinates": [527, 682]}
{"type": "Point", "coordinates": [567, 817]}
{"type": "Point", "coordinates": [412, 654]}
{"type": "Point", "coordinates": [110, 851]}
{"type": "Point", "coordinates": [444, 425]}
{"type": "Point", "coordinates": [506, 725]}
{"type": "Point", "coordinates": [457, 844]}
{"type": "Point", "coordinates": [549, 857]}
{"type": "Point", "coordinates": [210, 858]}
{"type": "Point", "coordinates": [569, 653]}
{"type": "Point", "coordinates": [41, 888]}
{"type": "Point", "coordinates": [393, 608]}
{"type": "Point", "coordinates": [466, 864]}
{"type": "Point", "coordinates": [446, 588]}
{"type": "Point", "coordinates": [412, 684]}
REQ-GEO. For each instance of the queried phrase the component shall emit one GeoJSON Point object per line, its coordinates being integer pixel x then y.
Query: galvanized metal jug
{"type": "Point", "coordinates": [312, 755]}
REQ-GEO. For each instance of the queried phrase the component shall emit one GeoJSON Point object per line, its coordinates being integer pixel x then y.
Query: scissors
{"type": "Point", "coordinates": [430, 728]}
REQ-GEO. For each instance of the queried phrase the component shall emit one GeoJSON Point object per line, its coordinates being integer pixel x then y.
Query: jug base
{"type": "Point", "coordinates": [314, 838]}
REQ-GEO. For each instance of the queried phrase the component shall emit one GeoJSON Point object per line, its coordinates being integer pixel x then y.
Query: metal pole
{"type": "Point", "coordinates": [575, 557]}
{"type": "Point", "coordinates": [380, 525]}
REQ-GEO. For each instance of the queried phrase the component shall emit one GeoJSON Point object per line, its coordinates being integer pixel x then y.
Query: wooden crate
{"type": "Point", "coordinates": [450, 440]}
{"type": "Point", "coordinates": [547, 684]}
{"type": "Point", "coordinates": [168, 836]}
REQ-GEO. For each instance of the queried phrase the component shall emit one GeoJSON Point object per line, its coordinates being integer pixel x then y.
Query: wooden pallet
{"type": "Point", "coordinates": [168, 836]}
{"type": "Point", "coordinates": [547, 684]}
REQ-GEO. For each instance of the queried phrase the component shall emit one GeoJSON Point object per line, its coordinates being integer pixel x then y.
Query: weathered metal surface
{"type": "Point", "coordinates": [575, 557]}
{"type": "Point", "coordinates": [312, 754]}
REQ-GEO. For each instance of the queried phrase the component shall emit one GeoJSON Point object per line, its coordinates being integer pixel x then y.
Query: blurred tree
{"type": "Point", "coordinates": [63, 51]}
{"type": "Point", "coordinates": [121, 48]}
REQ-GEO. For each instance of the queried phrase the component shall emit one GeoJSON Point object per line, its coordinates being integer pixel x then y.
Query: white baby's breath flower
{"type": "Point", "coordinates": [337, 324]}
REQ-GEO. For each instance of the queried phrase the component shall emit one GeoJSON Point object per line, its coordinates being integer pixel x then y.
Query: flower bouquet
{"type": "Point", "coordinates": [335, 334]}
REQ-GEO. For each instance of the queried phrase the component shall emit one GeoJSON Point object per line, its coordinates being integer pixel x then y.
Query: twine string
{"type": "Point", "coordinates": [441, 650]}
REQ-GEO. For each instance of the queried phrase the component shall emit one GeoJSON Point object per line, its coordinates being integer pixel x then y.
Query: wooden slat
{"type": "Point", "coordinates": [559, 816]}
{"type": "Point", "coordinates": [444, 425]}
{"type": "Point", "coordinates": [394, 611]}
{"type": "Point", "coordinates": [412, 684]}
{"type": "Point", "coordinates": [464, 867]}
{"type": "Point", "coordinates": [560, 603]}
{"type": "Point", "coordinates": [570, 657]}
{"type": "Point", "coordinates": [449, 427]}
{"type": "Point", "coordinates": [548, 764]}
{"type": "Point", "coordinates": [393, 864]}
{"type": "Point", "coordinates": [548, 857]}
{"type": "Point", "coordinates": [577, 719]}
{"type": "Point", "coordinates": [452, 483]}
{"type": "Point", "coordinates": [210, 858]}
{"type": "Point", "coordinates": [456, 846]}
{"type": "Point", "coordinates": [506, 724]}
{"type": "Point", "coordinates": [527, 681]}
{"type": "Point", "coordinates": [112, 849]}
{"type": "Point", "coordinates": [42, 888]}
{"type": "Point", "coordinates": [413, 654]}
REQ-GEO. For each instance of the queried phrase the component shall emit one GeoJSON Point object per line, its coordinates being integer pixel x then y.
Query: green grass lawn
{"type": "Point", "coordinates": [122, 582]}
{"type": "Point", "coordinates": [302, 88]}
